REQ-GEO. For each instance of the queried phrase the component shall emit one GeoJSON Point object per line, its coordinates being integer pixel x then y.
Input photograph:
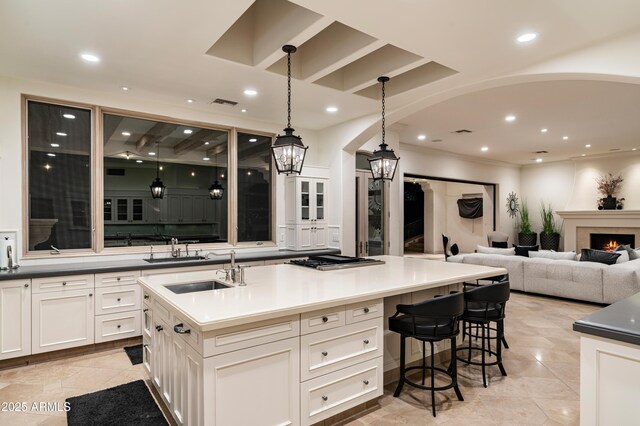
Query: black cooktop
{"type": "Point", "coordinates": [330, 262]}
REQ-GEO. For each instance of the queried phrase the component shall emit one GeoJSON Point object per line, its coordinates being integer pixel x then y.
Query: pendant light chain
{"type": "Point", "coordinates": [383, 131]}
{"type": "Point", "coordinates": [157, 159]}
{"type": "Point", "coordinates": [289, 89]}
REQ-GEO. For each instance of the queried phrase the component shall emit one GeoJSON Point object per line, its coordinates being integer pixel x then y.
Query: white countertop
{"type": "Point", "coordinates": [279, 290]}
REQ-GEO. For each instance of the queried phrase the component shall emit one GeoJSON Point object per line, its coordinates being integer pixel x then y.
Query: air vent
{"type": "Point", "coordinates": [462, 131]}
{"type": "Point", "coordinates": [436, 140]}
{"type": "Point", "coordinates": [115, 172]}
{"type": "Point", "coordinates": [614, 149]}
{"type": "Point", "coordinates": [224, 102]}
{"type": "Point", "coordinates": [541, 152]}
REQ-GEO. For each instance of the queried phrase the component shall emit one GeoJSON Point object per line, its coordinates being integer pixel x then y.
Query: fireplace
{"type": "Point", "coordinates": [609, 242]}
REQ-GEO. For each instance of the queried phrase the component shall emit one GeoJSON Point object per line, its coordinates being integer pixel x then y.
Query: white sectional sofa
{"type": "Point", "coordinates": [588, 281]}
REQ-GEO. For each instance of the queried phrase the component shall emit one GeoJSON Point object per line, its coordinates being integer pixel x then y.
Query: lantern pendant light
{"type": "Point", "coordinates": [216, 191]}
{"type": "Point", "coordinates": [157, 187]}
{"type": "Point", "coordinates": [288, 150]}
{"type": "Point", "coordinates": [383, 162]}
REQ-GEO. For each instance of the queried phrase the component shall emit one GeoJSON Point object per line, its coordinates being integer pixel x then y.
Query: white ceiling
{"type": "Point", "coordinates": [157, 48]}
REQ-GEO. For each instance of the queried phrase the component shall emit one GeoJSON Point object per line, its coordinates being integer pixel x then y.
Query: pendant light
{"type": "Point", "coordinates": [288, 150]}
{"type": "Point", "coordinates": [383, 162]}
{"type": "Point", "coordinates": [157, 187]}
{"type": "Point", "coordinates": [216, 191]}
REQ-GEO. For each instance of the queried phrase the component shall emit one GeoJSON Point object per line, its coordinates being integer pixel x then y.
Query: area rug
{"type": "Point", "coordinates": [128, 404]}
{"type": "Point", "coordinates": [134, 353]}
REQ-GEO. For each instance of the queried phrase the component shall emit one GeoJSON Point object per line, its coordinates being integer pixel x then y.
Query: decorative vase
{"type": "Point", "coordinates": [549, 241]}
{"type": "Point", "coordinates": [609, 203]}
{"type": "Point", "coordinates": [527, 239]}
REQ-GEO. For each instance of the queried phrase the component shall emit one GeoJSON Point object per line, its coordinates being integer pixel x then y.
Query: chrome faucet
{"type": "Point", "coordinates": [235, 272]}
{"type": "Point", "coordinates": [174, 252]}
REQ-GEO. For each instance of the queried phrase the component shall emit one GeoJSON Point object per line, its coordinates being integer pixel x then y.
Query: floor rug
{"type": "Point", "coordinates": [128, 404]}
{"type": "Point", "coordinates": [134, 353]}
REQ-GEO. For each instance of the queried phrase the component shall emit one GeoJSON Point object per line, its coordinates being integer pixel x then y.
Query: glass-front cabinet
{"type": "Point", "coordinates": [306, 212]}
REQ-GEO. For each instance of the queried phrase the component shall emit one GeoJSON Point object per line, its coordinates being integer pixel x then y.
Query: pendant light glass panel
{"type": "Point", "coordinates": [157, 187]}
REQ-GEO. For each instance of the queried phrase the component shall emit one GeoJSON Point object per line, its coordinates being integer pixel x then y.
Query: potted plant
{"type": "Point", "coordinates": [550, 234]}
{"type": "Point", "coordinates": [609, 185]}
{"type": "Point", "coordinates": [526, 237]}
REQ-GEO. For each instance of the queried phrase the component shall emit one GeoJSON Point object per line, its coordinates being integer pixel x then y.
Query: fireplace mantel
{"type": "Point", "coordinates": [578, 223]}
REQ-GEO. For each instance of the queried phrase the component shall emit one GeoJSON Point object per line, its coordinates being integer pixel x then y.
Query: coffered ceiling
{"type": "Point", "coordinates": [436, 53]}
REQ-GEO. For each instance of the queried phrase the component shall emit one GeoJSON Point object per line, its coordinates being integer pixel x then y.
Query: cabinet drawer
{"type": "Point", "coordinates": [334, 349]}
{"type": "Point", "coordinates": [189, 333]}
{"type": "Point", "coordinates": [363, 311]}
{"type": "Point", "coordinates": [245, 336]}
{"type": "Point", "coordinates": [72, 282]}
{"type": "Point", "coordinates": [120, 298]}
{"type": "Point", "coordinates": [333, 393]}
{"type": "Point", "coordinates": [325, 319]}
{"type": "Point", "coordinates": [117, 326]}
{"type": "Point", "coordinates": [161, 312]}
{"type": "Point", "coordinates": [121, 278]}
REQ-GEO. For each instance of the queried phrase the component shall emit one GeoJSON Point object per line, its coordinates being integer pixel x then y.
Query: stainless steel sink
{"type": "Point", "coordinates": [195, 287]}
{"type": "Point", "coordinates": [174, 259]}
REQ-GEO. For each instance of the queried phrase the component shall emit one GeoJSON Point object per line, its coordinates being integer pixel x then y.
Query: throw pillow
{"type": "Point", "coordinates": [492, 250]}
{"type": "Point", "coordinates": [524, 250]}
{"type": "Point", "coordinates": [600, 256]}
{"type": "Point", "coordinates": [454, 249]}
{"type": "Point", "coordinates": [633, 254]}
{"type": "Point", "coordinates": [624, 256]}
{"type": "Point", "coordinates": [499, 244]}
{"type": "Point", "coordinates": [555, 255]}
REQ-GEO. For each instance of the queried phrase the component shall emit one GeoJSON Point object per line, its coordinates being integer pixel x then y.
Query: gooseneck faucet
{"type": "Point", "coordinates": [235, 272]}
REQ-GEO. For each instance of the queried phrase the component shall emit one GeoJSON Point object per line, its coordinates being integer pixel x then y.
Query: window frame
{"type": "Point", "coordinates": [97, 181]}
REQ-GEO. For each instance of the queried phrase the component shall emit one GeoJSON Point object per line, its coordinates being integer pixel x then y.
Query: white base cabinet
{"type": "Point", "coordinates": [15, 318]}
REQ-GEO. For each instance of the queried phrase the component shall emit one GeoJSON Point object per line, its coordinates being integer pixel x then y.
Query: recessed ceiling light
{"type": "Point", "coordinates": [125, 88]}
{"type": "Point", "coordinates": [152, 153]}
{"type": "Point", "coordinates": [138, 161]}
{"type": "Point", "coordinates": [190, 101]}
{"type": "Point", "coordinates": [510, 118]}
{"type": "Point", "coordinates": [564, 138]}
{"type": "Point", "coordinates": [484, 149]}
{"type": "Point", "coordinates": [249, 173]}
{"type": "Point", "coordinates": [61, 134]}
{"type": "Point", "coordinates": [126, 134]}
{"type": "Point", "coordinates": [634, 149]}
{"type": "Point", "coordinates": [69, 116]}
{"type": "Point", "coordinates": [587, 146]}
{"type": "Point", "coordinates": [47, 166]}
{"type": "Point", "coordinates": [250, 92]}
{"type": "Point", "coordinates": [51, 154]}
{"type": "Point", "coordinates": [544, 130]}
{"type": "Point", "coordinates": [527, 37]}
{"type": "Point", "coordinates": [161, 168]}
{"type": "Point", "coordinates": [188, 131]}
{"type": "Point", "coordinates": [583, 155]}
{"type": "Point", "coordinates": [193, 174]}
{"type": "Point", "coordinates": [89, 57]}
{"type": "Point", "coordinates": [206, 143]}
{"type": "Point", "coordinates": [538, 160]}
{"type": "Point", "coordinates": [422, 137]}
{"type": "Point", "coordinates": [205, 158]}
{"type": "Point", "coordinates": [55, 145]}
{"type": "Point", "coordinates": [332, 109]}
{"type": "Point", "coordinates": [243, 110]}
{"type": "Point", "coordinates": [253, 140]}
{"type": "Point", "coordinates": [222, 176]}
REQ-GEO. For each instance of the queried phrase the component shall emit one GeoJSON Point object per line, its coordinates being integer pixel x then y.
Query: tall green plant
{"type": "Point", "coordinates": [524, 225]}
{"type": "Point", "coordinates": [548, 220]}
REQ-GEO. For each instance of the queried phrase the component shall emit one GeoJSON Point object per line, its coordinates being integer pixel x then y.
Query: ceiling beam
{"type": "Point", "coordinates": [153, 135]}
{"type": "Point", "coordinates": [193, 142]}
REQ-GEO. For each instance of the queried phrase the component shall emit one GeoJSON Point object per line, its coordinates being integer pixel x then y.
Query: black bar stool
{"type": "Point", "coordinates": [484, 305]}
{"type": "Point", "coordinates": [492, 280]}
{"type": "Point", "coordinates": [429, 321]}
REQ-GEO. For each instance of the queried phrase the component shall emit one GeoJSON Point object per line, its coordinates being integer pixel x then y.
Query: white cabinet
{"type": "Point", "coordinates": [306, 213]}
{"type": "Point", "coordinates": [62, 319]}
{"type": "Point", "coordinates": [117, 306]}
{"type": "Point", "coordinates": [15, 318]}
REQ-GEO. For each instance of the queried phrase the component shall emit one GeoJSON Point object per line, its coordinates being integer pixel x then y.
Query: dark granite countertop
{"type": "Point", "coordinates": [619, 321]}
{"type": "Point", "coordinates": [53, 270]}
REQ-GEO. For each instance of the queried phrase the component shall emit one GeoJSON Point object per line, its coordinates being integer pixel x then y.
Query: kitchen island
{"type": "Point", "coordinates": [293, 346]}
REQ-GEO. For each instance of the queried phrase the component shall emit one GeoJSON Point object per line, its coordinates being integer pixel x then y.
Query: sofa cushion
{"type": "Point", "coordinates": [565, 278]}
{"type": "Point", "coordinates": [556, 255]}
{"type": "Point", "coordinates": [499, 244]}
{"type": "Point", "coordinates": [524, 250]}
{"type": "Point", "coordinates": [621, 281]}
{"type": "Point", "coordinates": [633, 254]}
{"type": "Point", "coordinates": [513, 264]}
{"type": "Point", "coordinates": [600, 256]}
{"type": "Point", "coordinates": [492, 250]}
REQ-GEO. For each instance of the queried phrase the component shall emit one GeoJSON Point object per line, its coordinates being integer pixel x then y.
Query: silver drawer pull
{"type": "Point", "coordinates": [64, 283]}
{"type": "Point", "coordinates": [159, 328]}
{"type": "Point", "coordinates": [145, 310]}
{"type": "Point", "coordinates": [325, 319]}
{"type": "Point", "coordinates": [366, 341]}
{"type": "Point", "coordinates": [90, 294]}
{"type": "Point", "coordinates": [118, 299]}
{"type": "Point", "coordinates": [366, 382]}
{"type": "Point", "coordinates": [366, 310]}
{"type": "Point", "coordinates": [118, 325]}
{"type": "Point", "coordinates": [26, 286]}
{"type": "Point", "coordinates": [324, 353]}
{"type": "Point", "coordinates": [146, 296]}
{"type": "Point", "coordinates": [324, 397]}
{"type": "Point", "coordinates": [179, 328]}
{"type": "Point", "coordinates": [118, 279]}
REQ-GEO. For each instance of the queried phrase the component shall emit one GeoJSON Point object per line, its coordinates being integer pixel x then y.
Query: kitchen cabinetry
{"type": "Point", "coordinates": [124, 210]}
{"type": "Point", "coordinates": [117, 306]}
{"type": "Point", "coordinates": [63, 313]}
{"type": "Point", "coordinates": [15, 318]}
{"type": "Point", "coordinates": [306, 212]}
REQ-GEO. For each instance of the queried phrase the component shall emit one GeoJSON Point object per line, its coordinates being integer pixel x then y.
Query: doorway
{"type": "Point", "coordinates": [371, 211]}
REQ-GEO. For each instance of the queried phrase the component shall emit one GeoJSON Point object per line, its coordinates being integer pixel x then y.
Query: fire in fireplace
{"type": "Point", "coordinates": [609, 242]}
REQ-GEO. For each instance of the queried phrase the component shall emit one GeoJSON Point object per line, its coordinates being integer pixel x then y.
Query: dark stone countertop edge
{"type": "Point", "coordinates": [608, 333]}
{"type": "Point", "coordinates": [40, 271]}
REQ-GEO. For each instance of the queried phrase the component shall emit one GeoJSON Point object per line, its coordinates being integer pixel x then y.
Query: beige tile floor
{"type": "Point", "coordinates": [542, 386]}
